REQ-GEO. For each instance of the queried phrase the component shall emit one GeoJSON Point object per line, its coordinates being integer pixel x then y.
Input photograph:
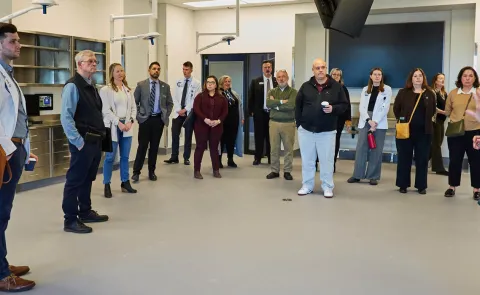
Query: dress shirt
{"type": "Point", "coordinates": [265, 79]}
{"type": "Point", "coordinates": [156, 107]}
{"type": "Point", "coordinates": [70, 99]}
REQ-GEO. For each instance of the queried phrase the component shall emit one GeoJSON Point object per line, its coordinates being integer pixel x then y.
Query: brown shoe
{"type": "Point", "coordinates": [13, 283]}
{"type": "Point", "coordinates": [19, 270]}
{"type": "Point", "coordinates": [197, 175]}
{"type": "Point", "coordinates": [216, 174]}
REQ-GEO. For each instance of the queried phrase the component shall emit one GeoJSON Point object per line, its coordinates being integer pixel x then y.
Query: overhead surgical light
{"type": "Point", "coordinates": [147, 36]}
{"type": "Point", "coordinates": [37, 4]}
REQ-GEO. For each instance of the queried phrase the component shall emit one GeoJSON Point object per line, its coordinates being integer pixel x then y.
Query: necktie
{"type": "Point", "coordinates": [184, 94]}
{"type": "Point", "coordinates": [152, 97]}
{"type": "Point", "coordinates": [268, 85]}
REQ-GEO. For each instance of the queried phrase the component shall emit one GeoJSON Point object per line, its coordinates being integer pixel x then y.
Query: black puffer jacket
{"type": "Point", "coordinates": [308, 109]}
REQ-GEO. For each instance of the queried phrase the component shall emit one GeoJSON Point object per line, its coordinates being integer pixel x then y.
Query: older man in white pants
{"type": "Point", "coordinates": [319, 103]}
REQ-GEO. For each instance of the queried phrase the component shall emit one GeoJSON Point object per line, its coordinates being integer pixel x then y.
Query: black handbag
{"type": "Point", "coordinates": [188, 123]}
{"type": "Point", "coordinates": [107, 145]}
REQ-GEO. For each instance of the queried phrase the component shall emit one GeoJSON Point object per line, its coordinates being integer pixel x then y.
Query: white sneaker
{"type": "Point", "coordinates": [304, 191]}
{"type": "Point", "coordinates": [328, 193]}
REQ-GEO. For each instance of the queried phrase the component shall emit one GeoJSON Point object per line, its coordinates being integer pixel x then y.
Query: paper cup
{"type": "Point", "coordinates": [325, 104]}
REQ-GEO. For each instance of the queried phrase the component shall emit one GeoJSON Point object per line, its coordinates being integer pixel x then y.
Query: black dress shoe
{"type": "Point", "coordinates": [449, 193]}
{"type": "Point", "coordinates": [107, 192]}
{"type": "Point", "coordinates": [287, 176]}
{"type": "Point", "coordinates": [135, 177]}
{"type": "Point", "coordinates": [186, 162]}
{"type": "Point", "coordinates": [403, 190]}
{"type": "Point", "coordinates": [92, 217]}
{"type": "Point", "coordinates": [77, 227]}
{"type": "Point", "coordinates": [171, 161]}
{"type": "Point", "coordinates": [256, 162]}
{"type": "Point", "coordinates": [273, 175]}
{"type": "Point", "coordinates": [353, 180]}
{"type": "Point", "coordinates": [445, 173]}
{"type": "Point", "coordinates": [476, 196]}
{"type": "Point", "coordinates": [231, 163]}
{"type": "Point", "coordinates": [373, 182]}
{"type": "Point", "coordinates": [422, 191]}
{"type": "Point", "coordinates": [152, 176]}
{"type": "Point", "coordinates": [127, 188]}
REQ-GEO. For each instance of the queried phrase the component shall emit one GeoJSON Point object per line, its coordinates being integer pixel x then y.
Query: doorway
{"type": "Point", "coordinates": [242, 68]}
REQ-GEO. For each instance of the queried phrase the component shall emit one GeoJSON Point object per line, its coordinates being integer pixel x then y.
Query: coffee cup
{"type": "Point", "coordinates": [31, 164]}
{"type": "Point", "coordinates": [325, 104]}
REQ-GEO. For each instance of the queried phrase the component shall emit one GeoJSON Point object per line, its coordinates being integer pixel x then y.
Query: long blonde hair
{"type": "Point", "coordinates": [111, 69]}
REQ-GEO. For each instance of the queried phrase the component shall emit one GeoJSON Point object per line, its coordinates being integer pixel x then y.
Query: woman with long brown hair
{"type": "Point", "coordinates": [438, 85]}
{"type": "Point", "coordinates": [374, 106]}
{"type": "Point", "coordinates": [119, 112]}
{"type": "Point", "coordinates": [210, 109]}
{"type": "Point", "coordinates": [415, 104]}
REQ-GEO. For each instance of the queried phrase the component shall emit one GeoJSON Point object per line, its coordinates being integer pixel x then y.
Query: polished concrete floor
{"type": "Point", "coordinates": [236, 236]}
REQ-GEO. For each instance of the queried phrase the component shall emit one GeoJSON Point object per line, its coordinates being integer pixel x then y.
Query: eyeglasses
{"type": "Point", "coordinates": [211, 82]}
{"type": "Point", "coordinates": [91, 61]}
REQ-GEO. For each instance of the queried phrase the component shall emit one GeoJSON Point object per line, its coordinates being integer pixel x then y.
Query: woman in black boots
{"type": "Point", "coordinates": [232, 122]}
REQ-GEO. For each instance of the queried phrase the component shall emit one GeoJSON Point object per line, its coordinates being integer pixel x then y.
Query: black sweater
{"type": "Point", "coordinates": [308, 108]}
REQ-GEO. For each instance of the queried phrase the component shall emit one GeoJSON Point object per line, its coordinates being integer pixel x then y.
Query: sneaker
{"type": "Point", "coordinates": [304, 191]}
{"type": "Point", "coordinates": [328, 193]}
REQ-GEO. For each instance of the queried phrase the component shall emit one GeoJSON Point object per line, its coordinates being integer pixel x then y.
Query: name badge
{"type": "Point", "coordinates": [260, 83]}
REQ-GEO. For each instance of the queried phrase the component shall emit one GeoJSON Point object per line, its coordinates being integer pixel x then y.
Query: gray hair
{"type": "Point", "coordinates": [222, 80]}
{"type": "Point", "coordinates": [341, 74]}
{"type": "Point", "coordinates": [282, 71]}
{"type": "Point", "coordinates": [82, 54]}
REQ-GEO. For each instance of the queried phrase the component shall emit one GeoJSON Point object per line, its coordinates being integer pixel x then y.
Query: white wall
{"type": "Point", "coordinates": [5, 8]}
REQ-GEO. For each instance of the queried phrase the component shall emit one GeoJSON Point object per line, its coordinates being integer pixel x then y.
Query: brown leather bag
{"type": "Point", "coordinates": [4, 167]}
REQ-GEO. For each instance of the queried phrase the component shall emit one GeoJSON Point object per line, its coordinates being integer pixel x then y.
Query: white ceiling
{"type": "Point", "coordinates": [180, 4]}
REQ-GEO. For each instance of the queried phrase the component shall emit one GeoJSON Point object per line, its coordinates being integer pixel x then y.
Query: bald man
{"type": "Point", "coordinates": [318, 104]}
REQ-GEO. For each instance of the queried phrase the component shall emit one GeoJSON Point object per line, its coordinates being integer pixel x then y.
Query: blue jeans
{"type": "Point", "coordinates": [125, 144]}
{"type": "Point", "coordinates": [313, 145]}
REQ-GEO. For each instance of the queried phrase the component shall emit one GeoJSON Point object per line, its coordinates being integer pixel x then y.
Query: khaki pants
{"type": "Point", "coordinates": [282, 133]}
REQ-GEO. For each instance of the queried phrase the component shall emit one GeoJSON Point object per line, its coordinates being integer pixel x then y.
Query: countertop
{"type": "Point", "coordinates": [45, 124]}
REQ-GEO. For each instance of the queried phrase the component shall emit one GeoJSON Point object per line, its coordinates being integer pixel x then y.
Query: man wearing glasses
{"type": "Point", "coordinates": [82, 122]}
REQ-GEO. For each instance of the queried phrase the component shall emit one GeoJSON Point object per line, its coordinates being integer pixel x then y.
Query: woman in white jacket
{"type": "Point", "coordinates": [374, 107]}
{"type": "Point", "coordinates": [119, 112]}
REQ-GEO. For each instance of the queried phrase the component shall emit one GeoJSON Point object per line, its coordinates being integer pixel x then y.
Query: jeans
{"type": "Point", "coordinates": [312, 145]}
{"type": "Point", "coordinates": [7, 194]}
{"type": "Point", "coordinates": [125, 144]}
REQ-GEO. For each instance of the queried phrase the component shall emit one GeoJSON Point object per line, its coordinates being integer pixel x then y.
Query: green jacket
{"type": "Point", "coordinates": [282, 112]}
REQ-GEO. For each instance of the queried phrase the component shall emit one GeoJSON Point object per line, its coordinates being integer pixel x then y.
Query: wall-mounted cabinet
{"type": "Point", "coordinates": [49, 59]}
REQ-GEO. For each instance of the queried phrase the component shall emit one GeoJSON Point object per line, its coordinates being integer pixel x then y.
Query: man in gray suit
{"type": "Point", "coordinates": [154, 105]}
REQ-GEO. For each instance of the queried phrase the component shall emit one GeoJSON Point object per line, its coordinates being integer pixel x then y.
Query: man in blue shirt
{"type": "Point", "coordinates": [15, 145]}
{"type": "Point", "coordinates": [82, 122]}
{"type": "Point", "coordinates": [154, 106]}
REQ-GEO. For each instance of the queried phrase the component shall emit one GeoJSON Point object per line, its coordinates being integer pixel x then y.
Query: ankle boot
{"type": "Point", "coordinates": [231, 163]}
{"type": "Point", "coordinates": [107, 191]}
{"type": "Point", "coordinates": [127, 188]}
{"type": "Point", "coordinates": [220, 159]}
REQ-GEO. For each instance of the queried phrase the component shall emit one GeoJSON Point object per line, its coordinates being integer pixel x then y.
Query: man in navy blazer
{"type": "Point", "coordinates": [154, 106]}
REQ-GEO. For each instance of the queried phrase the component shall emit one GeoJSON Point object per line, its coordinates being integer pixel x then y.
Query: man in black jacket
{"type": "Point", "coordinates": [319, 103]}
{"type": "Point", "coordinates": [257, 107]}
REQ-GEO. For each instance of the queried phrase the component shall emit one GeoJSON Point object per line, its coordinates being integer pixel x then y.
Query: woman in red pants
{"type": "Point", "coordinates": [210, 109]}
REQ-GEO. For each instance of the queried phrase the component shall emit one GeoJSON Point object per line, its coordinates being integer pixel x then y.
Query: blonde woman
{"type": "Point", "coordinates": [119, 111]}
{"type": "Point", "coordinates": [438, 82]}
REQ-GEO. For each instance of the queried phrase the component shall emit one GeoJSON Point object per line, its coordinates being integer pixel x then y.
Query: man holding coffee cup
{"type": "Point", "coordinates": [14, 150]}
{"type": "Point", "coordinates": [318, 104]}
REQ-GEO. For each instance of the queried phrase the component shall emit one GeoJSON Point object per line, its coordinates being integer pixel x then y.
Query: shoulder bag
{"type": "Point", "coordinates": [4, 167]}
{"type": "Point", "coordinates": [403, 129]}
{"type": "Point", "coordinates": [455, 129]}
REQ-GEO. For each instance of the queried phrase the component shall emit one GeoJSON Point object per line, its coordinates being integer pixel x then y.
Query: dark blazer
{"type": "Point", "coordinates": [347, 115]}
{"type": "Point", "coordinates": [142, 98]}
{"type": "Point", "coordinates": [256, 95]}
{"type": "Point", "coordinates": [405, 102]}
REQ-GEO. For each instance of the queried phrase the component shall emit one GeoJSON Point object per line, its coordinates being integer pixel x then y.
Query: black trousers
{"type": "Point", "coordinates": [229, 136]}
{"type": "Point", "coordinates": [436, 149]}
{"type": "Point", "coordinates": [149, 133]}
{"type": "Point", "coordinates": [340, 125]}
{"type": "Point", "coordinates": [78, 186]}
{"type": "Point", "coordinates": [418, 144]}
{"type": "Point", "coordinates": [177, 125]}
{"type": "Point", "coordinates": [7, 194]}
{"type": "Point", "coordinates": [457, 147]}
{"type": "Point", "coordinates": [261, 122]}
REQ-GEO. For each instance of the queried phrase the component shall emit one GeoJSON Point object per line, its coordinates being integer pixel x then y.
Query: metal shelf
{"type": "Point", "coordinates": [39, 67]}
{"type": "Point", "coordinates": [44, 48]}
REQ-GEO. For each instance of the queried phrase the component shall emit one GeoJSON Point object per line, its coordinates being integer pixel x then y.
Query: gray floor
{"type": "Point", "coordinates": [236, 236]}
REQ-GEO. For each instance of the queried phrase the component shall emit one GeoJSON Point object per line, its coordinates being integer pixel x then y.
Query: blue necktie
{"type": "Point", "coordinates": [152, 97]}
